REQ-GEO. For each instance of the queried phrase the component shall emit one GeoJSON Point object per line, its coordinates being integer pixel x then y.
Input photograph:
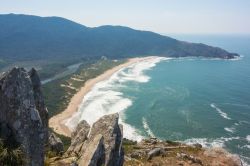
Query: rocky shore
{"type": "Point", "coordinates": [24, 129]}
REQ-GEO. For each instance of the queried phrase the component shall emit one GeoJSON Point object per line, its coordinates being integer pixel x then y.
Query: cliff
{"type": "Point", "coordinates": [23, 115]}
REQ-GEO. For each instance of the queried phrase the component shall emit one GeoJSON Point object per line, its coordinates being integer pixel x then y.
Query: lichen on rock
{"type": "Point", "coordinates": [23, 113]}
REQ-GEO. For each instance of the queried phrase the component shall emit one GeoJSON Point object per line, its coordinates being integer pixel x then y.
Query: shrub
{"type": "Point", "coordinates": [11, 156]}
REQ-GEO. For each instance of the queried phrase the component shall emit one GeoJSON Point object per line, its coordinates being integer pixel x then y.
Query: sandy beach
{"type": "Point", "coordinates": [57, 122]}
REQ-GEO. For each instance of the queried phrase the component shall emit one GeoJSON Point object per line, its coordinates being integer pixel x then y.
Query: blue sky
{"type": "Point", "coordinates": [162, 16]}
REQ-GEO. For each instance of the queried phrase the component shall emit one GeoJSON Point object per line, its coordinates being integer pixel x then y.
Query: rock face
{"type": "Point", "coordinates": [78, 138]}
{"type": "Point", "coordinates": [103, 146]}
{"type": "Point", "coordinates": [109, 128]}
{"type": "Point", "coordinates": [55, 144]}
{"type": "Point", "coordinates": [95, 153]}
{"type": "Point", "coordinates": [23, 115]}
{"type": "Point", "coordinates": [39, 100]}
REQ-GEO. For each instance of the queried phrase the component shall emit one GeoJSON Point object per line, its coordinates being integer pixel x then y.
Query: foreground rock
{"type": "Point", "coordinates": [23, 115]}
{"type": "Point", "coordinates": [78, 138]}
{"type": "Point", "coordinates": [94, 153]}
{"type": "Point", "coordinates": [99, 146]}
{"type": "Point", "coordinates": [109, 128]}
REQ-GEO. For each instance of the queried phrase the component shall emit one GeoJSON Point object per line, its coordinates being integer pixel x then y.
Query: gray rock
{"type": "Point", "coordinates": [155, 152]}
{"type": "Point", "coordinates": [55, 144]}
{"type": "Point", "coordinates": [78, 138]}
{"type": "Point", "coordinates": [136, 155]}
{"type": "Point", "coordinates": [197, 146]}
{"type": "Point", "coordinates": [74, 164]}
{"type": "Point", "coordinates": [23, 113]}
{"type": "Point", "coordinates": [94, 154]}
{"type": "Point", "coordinates": [39, 100]}
{"type": "Point", "coordinates": [111, 131]}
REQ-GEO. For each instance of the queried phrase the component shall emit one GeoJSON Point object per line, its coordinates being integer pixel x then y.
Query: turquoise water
{"type": "Point", "coordinates": [198, 100]}
{"type": "Point", "coordinates": [187, 99]}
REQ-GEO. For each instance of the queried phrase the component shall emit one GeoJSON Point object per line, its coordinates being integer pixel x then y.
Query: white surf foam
{"type": "Point", "coordinates": [230, 129]}
{"type": "Point", "coordinates": [146, 127]}
{"type": "Point", "coordinates": [106, 97]}
{"type": "Point", "coordinates": [206, 142]}
{"type": "Point", "coordinates": [236, 58]}
{"type": "Point", "coordinates": [245, 160]}
{"type": "Point", "coordinates": [129, 131]}
{"type": "Point", "coordinates": [248, 138]}
{"type": "Point", "coordinates": [246, 146]}
{"type": "Point", "coordinates": [222, 114]}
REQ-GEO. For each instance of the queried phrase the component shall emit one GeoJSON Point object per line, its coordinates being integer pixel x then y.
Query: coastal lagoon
{"type": "Point", "coordinates": [194, 100]}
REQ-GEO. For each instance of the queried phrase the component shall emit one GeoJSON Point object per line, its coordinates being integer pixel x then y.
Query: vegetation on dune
{"type": "Point", "coordinates": [50, 69]}
{"type": "Point", "coordinates": [59, 92]}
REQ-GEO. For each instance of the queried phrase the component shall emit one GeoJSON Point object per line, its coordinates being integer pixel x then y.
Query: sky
{"type": "Point", "coordinates": [162, 16]}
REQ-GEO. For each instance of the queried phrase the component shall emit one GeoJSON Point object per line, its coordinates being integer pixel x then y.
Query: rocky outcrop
{"type": "Point", "coordinates": [23, 115]}
{"type": "Point", "coordinates": [55, 143]}
{"type": "Point", "coordinates": [155, 152]}
{"type": "Point", "coordinates": [109, 128]}
{"type": "Point", "coordinates": [100, 145]}
{"type": "Point", "coordinates": [94, 153]}
{"type": "Point", "coordinates": [78, 138]}
{"type": "Point", "coordinates": [39, 100]}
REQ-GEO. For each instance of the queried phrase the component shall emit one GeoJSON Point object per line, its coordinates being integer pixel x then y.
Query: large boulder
{"type": "Point", "coordinates": [78, 138]}
{"type": "Point", "coordinates": [23, 115]}
{"type": "Point", "coordinates": [111, 131]}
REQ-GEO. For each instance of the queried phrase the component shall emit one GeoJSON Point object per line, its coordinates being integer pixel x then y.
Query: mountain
{"type": "Point", "coordinates": [25, 37]}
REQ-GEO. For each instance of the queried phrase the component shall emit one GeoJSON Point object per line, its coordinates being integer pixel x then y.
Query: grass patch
{"type": "Point", "coordinates": [11, 154]}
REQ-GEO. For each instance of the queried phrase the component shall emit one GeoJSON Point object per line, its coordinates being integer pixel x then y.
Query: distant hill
{"type": "Point", "coordinates": [25, 37]}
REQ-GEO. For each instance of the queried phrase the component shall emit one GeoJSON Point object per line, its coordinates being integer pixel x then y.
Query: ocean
{"type": "Point", "coordinates": [193, 100]}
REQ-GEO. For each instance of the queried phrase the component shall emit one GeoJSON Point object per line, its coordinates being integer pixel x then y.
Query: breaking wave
{"type": "Point", "coordinates": [248, 138]}
{"type": "Point", "coordinates": [222, 114]}
{"type": "Point", "coordinates": [106, 97]}
{"type": "Point", "coordinates": [206, 142]}
{"type": "Point", "coordinates": [146, 127]}
{"type": "Point", "coordinates": [230, 129]}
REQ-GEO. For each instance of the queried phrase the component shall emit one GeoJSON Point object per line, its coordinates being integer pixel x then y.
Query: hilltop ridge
{"type": "Point", "coordinates": [26, 37]}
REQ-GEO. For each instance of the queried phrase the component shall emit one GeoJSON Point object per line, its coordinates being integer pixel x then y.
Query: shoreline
{"type": "Point", "coordinates": [57, 122]}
